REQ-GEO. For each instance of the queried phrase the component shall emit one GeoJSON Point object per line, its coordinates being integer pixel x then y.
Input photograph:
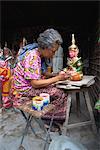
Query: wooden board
{"type": "Point", "coordinates": [86, 81]}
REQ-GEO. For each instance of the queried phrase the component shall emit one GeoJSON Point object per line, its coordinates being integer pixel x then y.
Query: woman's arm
{"type": "Point", "coordinates": [45, 82]}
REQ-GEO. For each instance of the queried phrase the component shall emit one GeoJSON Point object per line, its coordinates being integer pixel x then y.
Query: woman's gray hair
{"type": "Point", "coordinates": [48, 38]}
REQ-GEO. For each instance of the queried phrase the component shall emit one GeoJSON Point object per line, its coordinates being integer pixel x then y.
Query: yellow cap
{"type": "Point", "coordinates": [37, 98]}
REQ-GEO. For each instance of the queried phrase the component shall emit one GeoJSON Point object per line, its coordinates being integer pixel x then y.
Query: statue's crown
{"type": "Point", "coordinates": [73, 43]}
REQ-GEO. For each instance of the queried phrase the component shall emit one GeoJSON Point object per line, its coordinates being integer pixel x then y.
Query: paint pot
{"type": "Point", "coordinates": [46, 98]}
{"type": "Point", "coordinates": [37, 103]}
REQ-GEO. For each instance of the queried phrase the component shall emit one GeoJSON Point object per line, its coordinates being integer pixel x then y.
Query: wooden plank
{"type": "Point", "coordinates": [79, 124]}
{"type": "Point", "coordinates": [95, 89]}
{"type": "Point", "coordinates": [94, 63]}
{"type": "Point", "coordinates": [96, 57]}
{"type": "Point", "coordinates": [96, 70]}
{"type": "Point", "coordinates": [92, 95]}
{"type": "Point", "coordinates": [98, 78]}
{"type": "Point", "coordinates": [97, 86]}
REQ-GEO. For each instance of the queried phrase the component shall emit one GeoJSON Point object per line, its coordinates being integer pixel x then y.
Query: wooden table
{"type": "Point", "coordinates": [76, 87]}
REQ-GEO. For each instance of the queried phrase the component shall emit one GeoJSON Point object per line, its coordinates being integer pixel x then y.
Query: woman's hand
{"type": "Point", "coordinates": [63, 75]}
{"type": "Point", "coordinates": [71, 72]}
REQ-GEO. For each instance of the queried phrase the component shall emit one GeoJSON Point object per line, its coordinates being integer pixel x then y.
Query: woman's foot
{"type": "Point", "coordinates": [52, 129]}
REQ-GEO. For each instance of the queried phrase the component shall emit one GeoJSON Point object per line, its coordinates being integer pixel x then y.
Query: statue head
{"type": "Point", "coordinates": [73, 49]}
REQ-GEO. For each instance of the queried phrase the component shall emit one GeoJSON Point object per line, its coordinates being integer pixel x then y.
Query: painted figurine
{"type": "Point", "coordinates": [5, 74]}
{"type": "Point", "coordinates": [74, 63]}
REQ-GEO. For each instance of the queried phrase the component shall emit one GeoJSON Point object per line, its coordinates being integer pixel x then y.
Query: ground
{"type": "Point", "coordinates": [12, 124]}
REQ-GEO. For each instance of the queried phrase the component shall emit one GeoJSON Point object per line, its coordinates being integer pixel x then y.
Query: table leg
{"type": "Point", "coordinates": [86, 94]}
{"type": "Point", "coordinates": [64, 128]}
{"type": "Point", "coordinates": [78, 103]}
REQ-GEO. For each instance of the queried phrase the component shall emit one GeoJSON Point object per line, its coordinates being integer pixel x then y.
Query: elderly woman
{"type": "Point", "coordinates": [27, 73]}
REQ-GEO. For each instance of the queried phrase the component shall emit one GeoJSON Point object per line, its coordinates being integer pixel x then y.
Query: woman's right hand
{"type": "Point", "coordinates": [63, 75]}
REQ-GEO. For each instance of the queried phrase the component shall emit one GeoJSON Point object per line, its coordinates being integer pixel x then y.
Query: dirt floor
{"type": "Point", "coordinates": [12, 124]}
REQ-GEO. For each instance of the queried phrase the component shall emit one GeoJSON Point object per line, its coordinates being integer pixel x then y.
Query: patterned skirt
{"type": "Point", "coordinates": [57, 97]}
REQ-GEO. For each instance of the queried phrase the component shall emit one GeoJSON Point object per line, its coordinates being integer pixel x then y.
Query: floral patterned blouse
{"type": "Point", "coordinates": [27, 69]}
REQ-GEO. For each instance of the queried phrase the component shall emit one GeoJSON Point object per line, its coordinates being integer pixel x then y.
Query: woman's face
{"type": "Point", "coordinates": [49, 52]}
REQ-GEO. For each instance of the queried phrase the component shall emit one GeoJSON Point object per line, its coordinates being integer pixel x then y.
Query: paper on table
{"type": "Point", "coordinates": [67, 87]}
{"type": "Point", "coordinates": [63, 82]}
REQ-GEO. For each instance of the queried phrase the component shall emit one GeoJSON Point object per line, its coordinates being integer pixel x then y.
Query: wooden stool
{"type": "Point", "coordinates": [37, 115]}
